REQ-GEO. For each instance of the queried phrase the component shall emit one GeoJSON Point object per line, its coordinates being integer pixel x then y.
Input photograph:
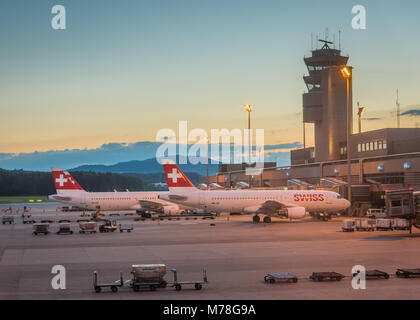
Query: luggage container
{"type": "Point", "coordinates": [408, 273]}
{"type": "Point", "coordinates": [383, 224]}
{"type": "Point", "coordinates": [365, 225]}
{"type": "Point", "coordinates": [41, 228]}
{"type": "Point", "coordinates": [148, 276]}
{"type": "Point", "coordinates": [125, 227]}
{"type": "Point", "coordinates": [400, 224]}
{"type": "Point", "coordinates": [374, 274]}
{"type": "Point", "coordinates": [8, 219]}
{"type": "Point", "coordinates": [280, 277]}
{"type": "Point", "coordinates": [64, 228]}
{"type": "Point", "coordinates": [87, 227]}
{"type": "Point", "coordinates": [347, 225]}
{"type": "Point", "coordinates": [326, 276]}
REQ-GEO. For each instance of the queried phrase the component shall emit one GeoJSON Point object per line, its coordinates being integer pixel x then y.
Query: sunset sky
{"type": "Point", "coordinates": [122, 70]}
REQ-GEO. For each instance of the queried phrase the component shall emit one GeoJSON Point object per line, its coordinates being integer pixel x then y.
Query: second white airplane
{"type": "Point", "coordinates": [70, 192]}
{"type": "Point", "coordinates": [292, 204]}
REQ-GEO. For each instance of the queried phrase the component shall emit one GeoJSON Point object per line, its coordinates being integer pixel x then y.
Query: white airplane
{"type": "Point", "coordinates": [70, 192]}
{"type": "Point", "coordinates": [292, 204]}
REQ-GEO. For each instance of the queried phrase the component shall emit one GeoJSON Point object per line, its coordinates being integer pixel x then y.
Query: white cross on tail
{"type": "Point", "coordinates": [61, 180]}
{"type": "Point", "coordinates": [174, 175]}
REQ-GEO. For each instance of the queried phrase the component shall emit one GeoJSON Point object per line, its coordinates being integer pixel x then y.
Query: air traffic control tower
{"type": "Point", "coordinates": [325, 103]}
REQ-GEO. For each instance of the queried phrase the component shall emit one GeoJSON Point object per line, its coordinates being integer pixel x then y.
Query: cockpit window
{"type": "Point", "coordinates": [338, 197]}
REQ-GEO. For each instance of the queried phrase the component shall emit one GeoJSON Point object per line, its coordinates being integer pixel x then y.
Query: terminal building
{"type": "Point", "coordinates": [381, 160]}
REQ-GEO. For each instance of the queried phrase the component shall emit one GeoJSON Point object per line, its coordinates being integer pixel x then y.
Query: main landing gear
{"type": "Point", "coordinates": [256, 219]}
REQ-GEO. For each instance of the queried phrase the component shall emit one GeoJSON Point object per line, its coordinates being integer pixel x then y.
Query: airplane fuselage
{"type": "Point", "coordinates": [248, 201]}
{"type": "Point", "coordinates": [109, 201]}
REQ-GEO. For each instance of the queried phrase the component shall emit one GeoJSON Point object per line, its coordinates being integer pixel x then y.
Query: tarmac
{"type": "Point", "coordinates": [236, 253]}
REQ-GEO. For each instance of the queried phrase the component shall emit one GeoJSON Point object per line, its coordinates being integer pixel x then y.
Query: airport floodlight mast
{"type": "Point", "coordinates": [248, 109]}
{"type": "Point", "coordinates": [347, 74]}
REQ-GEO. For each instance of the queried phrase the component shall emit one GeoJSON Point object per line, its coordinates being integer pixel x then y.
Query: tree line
{"type": "Point", "coordinates": [27, 183]}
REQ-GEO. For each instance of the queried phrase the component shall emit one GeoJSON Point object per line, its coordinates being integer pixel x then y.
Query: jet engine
{"type": "Point", "coordinates": [169, 210]}
{"type": "Point", "coordinates": [296, 212]}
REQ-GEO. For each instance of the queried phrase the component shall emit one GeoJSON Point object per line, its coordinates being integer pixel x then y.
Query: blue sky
{"type": "Point", "coordinates": [123, 70]}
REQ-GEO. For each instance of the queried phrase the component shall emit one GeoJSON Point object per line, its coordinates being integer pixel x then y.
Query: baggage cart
{"type": "Point", "coordinates": [197, 284]}
{"type": "Point", "coordinates": [28, 219]}
{"type": "Point", "coordinates": [374, 274]}
{"type": "Point", "coordinates": [408, 273]}
{"type": "Point", "coordinates": [347, 225]}
{"type": "Point", "coordinates": [326, 276]}
{"type": "Point", "coordinates": [64, 228]}
{"type": "Point", "coordinates": [87, 227]}
{"type": "Point", "coordinates": [365, 225]}
{"type": "Point", "coordinates": [8, 220]}
{"type": "Point", "coordinates": [41, 228]}
{"type": "Point", "coordinates": [400, 224]}
{"type": "Point", "coordinates": [280, 277]}
{"type": "Point", "coordinates": [125, 227]}
{"type": "Point", "coordinates": [383, 224]}
{"type": "Point", "coordinates": [148, 276]}
{"type": "Point", "coordinates": [113, 285]}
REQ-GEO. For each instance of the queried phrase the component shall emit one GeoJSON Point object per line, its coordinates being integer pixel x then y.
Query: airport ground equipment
{"type": "Point", "coordinates": [87, 227]}
{"type": "Point", "coordinates": [375, 213]}
{"type": "Point", "coordinates": [64, 228]}
{"type": "Point", "coordinates": [108, 226]}
{"type": "Point", "coordinates": [28, 219]}
{"type": "Point", "coordinates": [383, 224]}
{"type": "Point", "coordinates": [365, 225]}
{"type": "Point", "coordinates": [280, 277]}
{"type": "Point", "coordinates": [326, 276]}
{"type": "Point", "coordinates": [8, 219]}
{"type": "Point", "coordinates": [148, 276]}
{"type": "Point", "coordinates": [402, 204]}
{"type": "Point", "coordinates": [374, 274]}
{"type": "Point", "coordinates": [347, 225]}
{"type": "Point", "coordinates": [400, 224]}
{"type": "Point", "coordinates": [408, 273]}
{"type": "Point", "coordinates": [41, 228]}
{"type": "Point", "coordinates": [113, 285]}
{"type": "Point", "coordinates": [197, 284]}
{"type": "Point", "coordinates": [125, 227]}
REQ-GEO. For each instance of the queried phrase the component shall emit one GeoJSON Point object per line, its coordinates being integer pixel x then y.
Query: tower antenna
{"type": "Point", "coordinates": [312, 41]}
{"type": "Point", "coordinates": [339, 39]}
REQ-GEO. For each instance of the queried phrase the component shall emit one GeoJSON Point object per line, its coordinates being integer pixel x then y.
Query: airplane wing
{"type": "Point", "coordinates": [271, 207]}
{"type": "Point", "coordinates": [150, 205]}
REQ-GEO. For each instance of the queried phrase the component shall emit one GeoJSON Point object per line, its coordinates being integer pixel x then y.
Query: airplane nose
{"type": "Point", "coordinates": [346, 203]}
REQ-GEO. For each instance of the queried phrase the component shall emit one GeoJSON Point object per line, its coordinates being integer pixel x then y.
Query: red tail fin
{"type": "Point", "coordinates": [63, 181]}
{"type": "Point", "coordinates": [176, 179]}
